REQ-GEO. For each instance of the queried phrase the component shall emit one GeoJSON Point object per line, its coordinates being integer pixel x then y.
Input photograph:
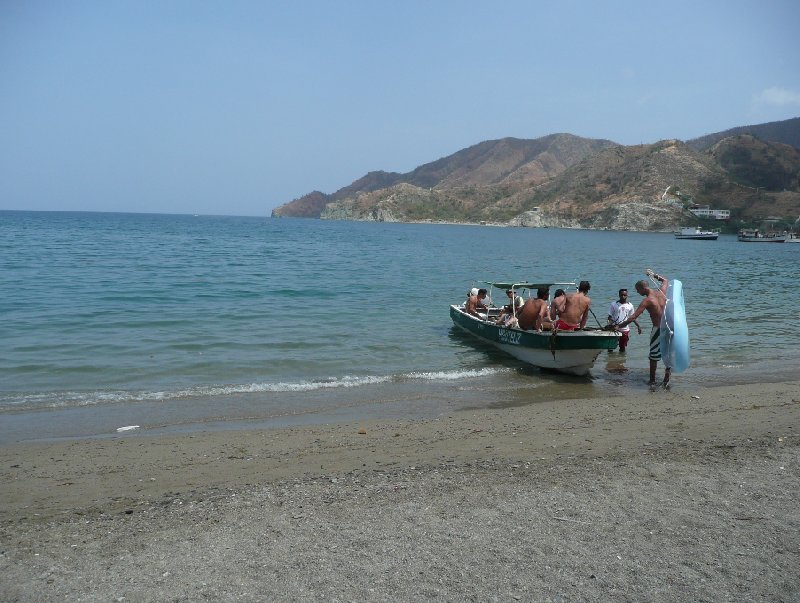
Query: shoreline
{"type": "Point", "coordinates": [237, 454]}
{"type": "Point", "coordinates": [671, 495]}
{"type": "Point", "coordinates": [412, 400]}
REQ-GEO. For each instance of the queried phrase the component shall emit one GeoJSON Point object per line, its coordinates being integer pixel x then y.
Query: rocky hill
{"type": "Point", "coordinates": [786, 132]}
{"type": "Point", "coordinates": [511, 160]}
{"type": "Point", "coordinates": [755, 163]}
{"type": "Point", "coordinates": [568, 181]}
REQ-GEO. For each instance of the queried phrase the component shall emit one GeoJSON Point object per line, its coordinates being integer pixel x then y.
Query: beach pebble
{"type": "Point", "coordinates": [362, 431]}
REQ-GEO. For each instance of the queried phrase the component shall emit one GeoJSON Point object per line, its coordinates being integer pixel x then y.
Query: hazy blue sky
{"type": "Point", "coordinates": [234, 107]}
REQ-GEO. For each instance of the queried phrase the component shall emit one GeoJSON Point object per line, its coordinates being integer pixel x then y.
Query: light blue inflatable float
{"type": "Point", "coordinates": [674, 330]}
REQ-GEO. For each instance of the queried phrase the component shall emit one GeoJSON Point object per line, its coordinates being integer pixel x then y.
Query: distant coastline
{"type": "Point", "coordinates": [566, 181]}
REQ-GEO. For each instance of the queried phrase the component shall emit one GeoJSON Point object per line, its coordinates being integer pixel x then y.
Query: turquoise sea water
{"type": "Point", "coordinates": [186, 322]}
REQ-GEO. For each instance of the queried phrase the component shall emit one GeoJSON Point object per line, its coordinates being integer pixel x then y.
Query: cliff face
{"type": "Point", "coordinates": [386, 205]}
{"type": "Point", "coordinates": [567, 181]}
{"type": "Point", "coordinates": [634, 216]}
{"type": "Point", "coordinates": [642, 215]}
{"type": "Point", "coordinates": [346, 210]}
{"type": "Point", "coordinates": [307, 206]}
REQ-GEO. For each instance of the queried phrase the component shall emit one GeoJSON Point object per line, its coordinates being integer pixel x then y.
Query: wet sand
{"type": "Point", "coordinates": [678, 496]}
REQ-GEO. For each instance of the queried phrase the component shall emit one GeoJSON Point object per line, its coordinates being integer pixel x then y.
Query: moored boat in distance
{"type": "Point", "coordinates": [792, 237]}
{"type": "Point", "coordinates": [571, 352]}
{"type": "Point", "coordinates": [754, 236]}
{"type": "Point", "coordinates": [694, 233]}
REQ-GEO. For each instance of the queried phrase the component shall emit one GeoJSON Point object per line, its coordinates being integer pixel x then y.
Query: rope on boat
{"type": "Point", "coordinates": [596, 319]}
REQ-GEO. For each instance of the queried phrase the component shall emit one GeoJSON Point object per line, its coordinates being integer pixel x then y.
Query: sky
{"type": "Point", "coordinates": [235, 107]}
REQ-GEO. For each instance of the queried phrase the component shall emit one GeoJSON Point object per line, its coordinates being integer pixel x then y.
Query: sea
{"type": "Point", "coordinates": [188, 323]}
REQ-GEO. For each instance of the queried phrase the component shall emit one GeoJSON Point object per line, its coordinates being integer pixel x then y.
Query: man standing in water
{"type": "Point", "coordinates": [654, 302]}
{"type": "Point", "coordinates": [620, 311]}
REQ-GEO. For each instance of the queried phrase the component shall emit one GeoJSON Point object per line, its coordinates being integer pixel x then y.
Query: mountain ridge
{"type": "Point", "coordinates": [786, 131]}
{"type": "Point", "coordinates": [566, 180]}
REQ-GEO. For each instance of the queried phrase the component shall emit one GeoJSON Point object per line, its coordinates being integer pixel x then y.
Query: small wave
{"type": "Point", "coordinates": [73, 399]}
{"type": "Point", "coordinates": [303, 386]}
{"type": "Point", "coordinates": [456, 375]}
{"type": "Point", "coordinates": [67, 399]}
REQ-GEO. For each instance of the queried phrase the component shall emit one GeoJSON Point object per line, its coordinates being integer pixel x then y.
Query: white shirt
{"type": "Point", "coordinates": [620, 313]}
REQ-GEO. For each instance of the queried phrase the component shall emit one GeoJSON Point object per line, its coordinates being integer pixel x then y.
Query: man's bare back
{"type": "Point", "coordinates": [654, 301]}
{"type": "Point", "coordinates": [576, 306]}
{"type": "Point", "coordinates": [534, 310]}
{"type": "Point", "coordinates": [654, 304]}
{"type": "Point", "coordinates": [475, 303]}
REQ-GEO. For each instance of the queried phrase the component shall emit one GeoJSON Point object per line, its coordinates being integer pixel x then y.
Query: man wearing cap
{"type": "Point", "coordinates": [515, 300]}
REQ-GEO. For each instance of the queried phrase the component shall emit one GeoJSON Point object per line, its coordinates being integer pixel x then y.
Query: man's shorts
{"type": "Point", "coordinates": [655, 344]}
{"type": "Point", "coordinates": [565, 326]}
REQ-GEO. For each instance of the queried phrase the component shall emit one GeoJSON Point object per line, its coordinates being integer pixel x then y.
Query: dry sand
{"type": "Point", "coordinates": [655, 497]}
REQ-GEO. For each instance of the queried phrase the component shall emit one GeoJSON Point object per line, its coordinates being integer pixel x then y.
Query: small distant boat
{"type": "Point", "coordinates": [754, 236]}
{"type": "Point", "coordinates": [793, 237]}
{"type": "Point", "coordinates": [571, 352]}
{"type": "Point", "coordinates": [694, 233]}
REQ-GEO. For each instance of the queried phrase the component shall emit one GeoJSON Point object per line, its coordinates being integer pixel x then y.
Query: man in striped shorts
{"type": "Point", "coordinates": [654, 302]}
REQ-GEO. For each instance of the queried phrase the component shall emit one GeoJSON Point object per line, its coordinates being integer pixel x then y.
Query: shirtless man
{"type": "Point", "coordinates": [654, 302]}
{"type": "Point", "coordinates": [475, 303]}
{"type": "Point", "coordinates": [573, 310]}
{"type": "Point", "coordinates": [557, 304]}
{"type": "Point", "coordinates": [534, 312]}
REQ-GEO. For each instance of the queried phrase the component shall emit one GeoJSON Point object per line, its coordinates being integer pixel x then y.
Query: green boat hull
{"type": "Point", "coordinates": [565, 351]}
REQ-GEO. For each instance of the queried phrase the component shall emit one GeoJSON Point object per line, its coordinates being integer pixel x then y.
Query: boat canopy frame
{"type": "Point", "coordinates": [506, 285]}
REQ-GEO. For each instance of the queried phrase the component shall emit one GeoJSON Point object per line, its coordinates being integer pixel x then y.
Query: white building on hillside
{"type": "Point", "coordinates": [707, 212]}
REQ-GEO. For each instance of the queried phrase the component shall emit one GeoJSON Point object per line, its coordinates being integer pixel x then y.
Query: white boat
{"type": "Point", "coordinates": [694, 233]}
{"type": "Point", "coordinates": [754, 236]}
{"type": "Point", "coordinates": [792, 237]}
{"type": "Point", "coordinates": [571, 352]}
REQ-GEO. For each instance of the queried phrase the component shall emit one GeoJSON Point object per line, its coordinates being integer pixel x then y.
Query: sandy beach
{"type": "Point", "coordinates": [661, 496]}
